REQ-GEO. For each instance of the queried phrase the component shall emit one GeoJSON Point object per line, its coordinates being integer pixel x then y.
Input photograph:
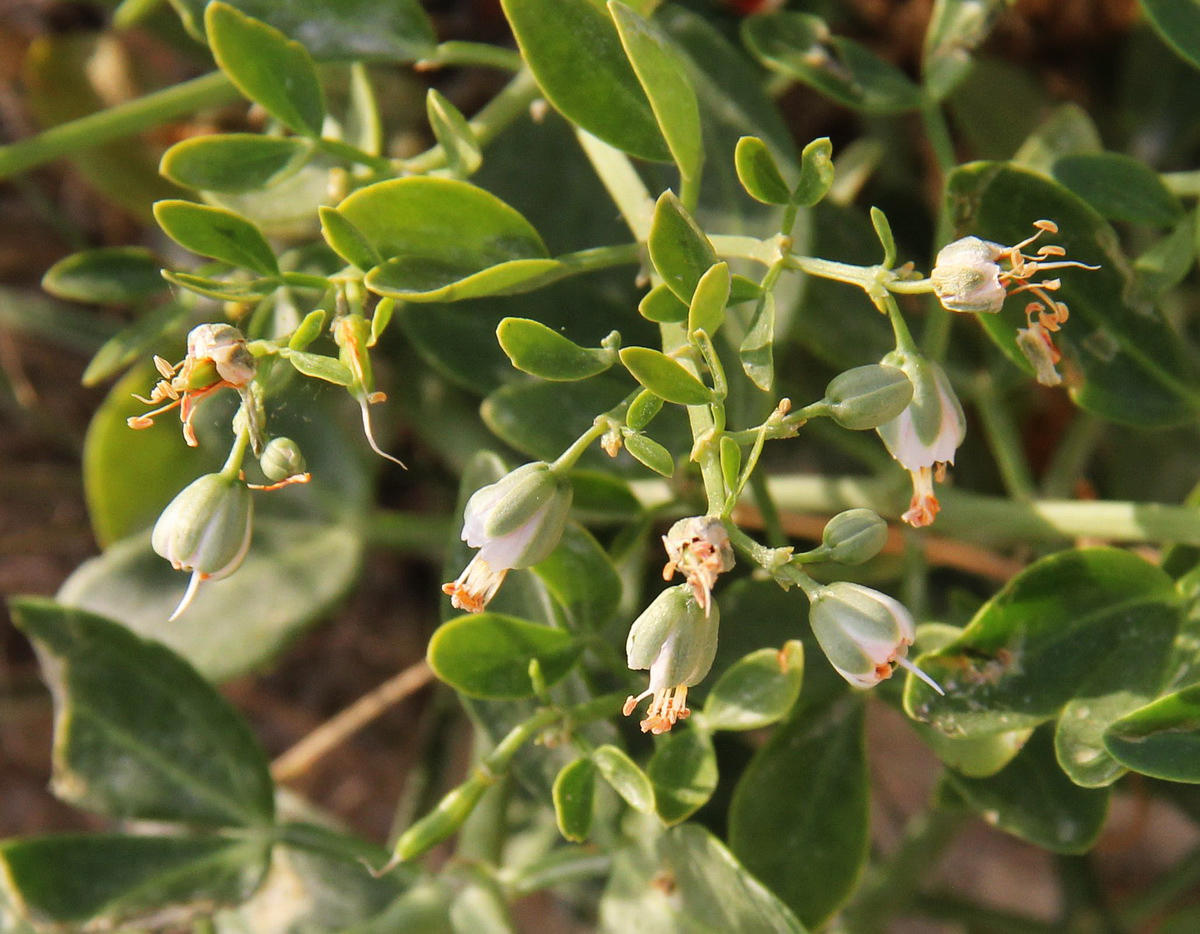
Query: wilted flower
{"type": "Point", "coordinates": [865, 634]}
{"type": "Point", "coordinates": [217, 357]}
{"type": "Point", "coordinates": [515, 523]}
{"type": "Point", "coordinates": [698, 547]}
{"type": "Point", "coordinates": [924, 437]}
{"type": "Point", "coordinates": [205, 529]}
{"type": "Point", "coordinates": [677, 640]}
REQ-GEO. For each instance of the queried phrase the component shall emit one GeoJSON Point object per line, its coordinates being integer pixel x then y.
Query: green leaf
{"type": "Point", "coordinates": [581, 577]}
{"type": "Point", "coordinates": [487, 655]}
{"type": "Point", "coordinates": [623, 774]}
{"type": "Point", "coordinates": [536, 349]}
{"type": "Point", "coordinates": [802, 47]}
{"type": "Point", "coordinates": [816, 173]}
{"type": "Point", "coordinates": [1178, 22]}
{"type": "Point", "coordinates": [1119, 187]}
{"type": "Point", "coordinates": [273, 71]}
{"type": "Point", "coordinates": [363, 30]}
{"type": "Point", "coordinates": [234, 162]}
{"type": "Point", "coordinates": [454, 134]}
{"type": "Point", "coordinates": [1087, 633]}
{"type": "Point", "coordinates": [131, 344]}
{"type": "Point", "coordinates": [757, 352]}
{"type": "Point", "coordinates": [224, 290]}
{"type": "Point", "coordinates": [664, 376]}
{"type": "Point", "coordinates": [114, 275]}
{"type": "Point", "coordinates": [575, 53]}
{"type": "Point", "coordinates": [956, 29]}
{"type": "Point", "coordinates": [662, 306]}
{"type": "Point", "coordinates": [642, 410]}
{"type": "Point", "coordinates": [1161, 739]}
{"type": "Point", "coordinates": [1032, 799]}
{"type": "Point", "coordinates": [138, 733]}
{"type": "Point", "coordinates": [1165, 264]}
{"type": "Point", "coordinates": [319, 366]}
{"type": "Point", "coordinates": [678, 247]}
{"type": "Point", "coordinates": [575, 799]}
{"type": "Point", "coordinates": [1068, 131]}
{"type": "Point", "coordinates": [347, 240]}
{"type": "Point", "coordinates": [758, 172]}
{"type": "Point", "coordinates": [660, 70]}
{"type": "Point", "coordinates": [650, 453]}
{"type": "Point", "coordinates": [712, 893]}
{"type": "Point", "coordinates": [1121, 361]}
{"type": "Point", "coordinates": [218, 233]}
{"type": "Point", "coordinates": [757, 690]}
{"type": "Point", "coordinates": [799, 818]}
{"type": "Point", "coordinates": [683, 771]}
{"type": "Point", "coordinates": [107, 879]}
{"type": "Point", "coordinates": [707, 311]}
{"type": "Point", "coordinates": [422, 280]}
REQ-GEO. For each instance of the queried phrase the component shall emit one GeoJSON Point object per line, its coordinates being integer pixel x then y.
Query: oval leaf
{"type": "Point", "coordinates": [665, 377]}
{"type": "Point", "coordinates": [650, 453]}
{"type": "Point", "coordinates": [575, 53]}
{"type": "Point", "coordinates": [318, 366]}
{"type": "Point", "coordinates": [758, 173]}
{"type": "Point", "coordinates": [138, 733]}
{"type": "Point", "coordinates": [487, 655]}
{"type": "Point", "coordinates": [678, 247]}
{"type": "Point", "coordinates": [270, 69]}
{"type": "Point", "coordinates": [536, 349]}
{"type": "Point", "coordinates": [629, 781]}
{"type": "Point", "coordinates": [683, 771]}
{"type": "Point", "coordinates": [1119, 187]}
{"type": "Point", "coordinates": [1178, 22]}
{"type": "Point", "coordinates": [453, 133]}
{"type": "Point", "coordinates": [575, 799]}
{"type": "Point", "coordinates": [234, 162]}
{"type": "Point", "coordinates": [1161, 739]}
{"type": "Point", "coordinates": [662, 306]}
{"type": "Point", "coordinates": [218, 233]}
{"type": "Point", "coordinates": [106, 276]}
{"type": "Point", "coordinates": [757, 690]}
{"type": "Point", "coordinates": [223, 290]}
{"type": "Point", "coordinates": [347, 240]}
{"type": "Point", "coordinates": [707, 311]}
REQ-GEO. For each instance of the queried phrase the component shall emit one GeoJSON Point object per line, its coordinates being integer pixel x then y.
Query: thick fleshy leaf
{"type": "Point", "coordinates": [107, 276]}
{"type": "Point", "coordinates": [626, 778]}
{"type": "Point", "coordinates": [1160, 739]}
{"type": "Point", "coordinates": [106, 879]}
{"type": "Point", "coordinates": [711, 890]}
{"type": "Point", "coordinates": [956, 29]}
{"type": "Point", "coordinates": [575, 53]}
{"type": "Point", "coordinates": [581, 577]}
{"type": "Point", "coordinates": [540, 351]}
{"type": "Point", "coordinates": [454, 134]}
{"type": "Point", "coordinates": [662, 306]}
{"type": "Point", "coordinates": [487, 655]}
{"type": "Point", "coordinates": [665, 376]}
{"type": "Point", "coordinates": [347, 240]}
{"type": "Point", "coordinates": [1087, 630]}
{"type": "Point", "coordinates": [1178, 22]}
{"type": "Point", "coordinates": [816, 173]}
{"type": "Point", "coordinates": [707, 311]}
{"type": "Point", "coordinates": [800, 815]}
{"type": "Point", "coordinates": [1119, 187]}
{"type": "Point", "coordinates": [757, 352]}
{"type": "Point", "coordinates": [414, 279]}
{"type": "Point", "coordinates": [758, 173]}
{"type": "Point", "coordinates": [138, 733]}
{"type": "Point", "coordinates": [683, 771]}
{"type": "Point", "coordinates": [363, 30]}
{"type": "Point", "coordinates": [1121, 361]}
{"type": "Point", "coordinates": [757, 690]}
{"type": "Point", "coordinates": [234, 162]}
{"type": "Point", "coordinates": [678, 247]}
{"type": "Point", "coordinates": [575, 799]}
{"type": "Point", "coordinates": [1032, 799]}
{"type": "Point", "coordinates": [218, 233]}
{"type": "Point", "coordinates": [801, 46]}
{"type": "Point", "coordinates": [660, 70]}
{"type": "Point", "coordinates": [273, 71]}
{"type": "Point", "coordinates": [650, 453]}
{"type": "Point", "coordinates": [319, 366]}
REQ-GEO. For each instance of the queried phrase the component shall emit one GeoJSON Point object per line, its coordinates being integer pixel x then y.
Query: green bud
{"type": "Point", "coordinates": [868, 396]}
{"type": "Point", "coordinates": [445, 819]}
{"type": "Point", "coordinates": [281, 459]}
{"type": "Point", "coordinates": [854, 536]}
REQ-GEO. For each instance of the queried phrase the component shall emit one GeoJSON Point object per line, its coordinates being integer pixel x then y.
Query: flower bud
{"type": "Point", "coordinates": [205, 529]}
{"type": "Point", "coordinates": [445, 819]}
{"type": "Point", "coordinates": [515, 523]}
{"type": "Point", "coordinates": [281, 458]}
{"type": "Point", "coordinates": [698, 547]}
{"type": "Point", "coordinates": [868, 396]}
{"type": "Point", "coordinates": [676, 640]}
{"type": "Point", "coordinates": [854, 536]}
{"type": "Point", "coordinates": [924, 437]}
{"type": "Point", "coordinates": [865, 634]}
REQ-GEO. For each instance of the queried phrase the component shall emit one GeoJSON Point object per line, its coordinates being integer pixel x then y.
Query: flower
{"type": "Point", "coordinates": [676, 639]}
{"type": "Point", "coordinates": [515, 523]}
{"type": "Point", "coordinates": [924, 437]}
{"type": "Point", "coordinates": [865, 634]}
{"type": "Point", "coordinates": [205, 529]}
{"type": "Point", "coordinates": [217, 357]}
{"type": "Point", "coordinates": [699, 549]}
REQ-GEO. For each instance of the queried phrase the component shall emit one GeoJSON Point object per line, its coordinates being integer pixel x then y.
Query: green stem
{"type": "Point", "coordinates": [938, 134]}
{"type": "Point", "coordinates": [904, 338]}
{"type": "Point", "coordinates": [471, 53]}
{"type": "Point", "coordinates": [409, 533]}
{"type": "Point", "coordinates": [622, 182]}
{"type": "Point", "coordinates": [862, 276]}
{"type": "Point", "coordinates": [1003, 439]}
{"type": "Point", "coordinates": [116, 122]}
{"type": "Point", "coordinates": [772, 525]}
{"type": "Point", "coordinates": [237, 454]}
{"type": "Point", "coordinates": [566, 460]}
{"type": "Point", "coordinates": [351, 153]}
{"type": "Point", "coordinates": [1183, 184]}
{"type": "Point", "coordinates": [601, 257]}
{"type": "Point", "coordinates": [736, 246]}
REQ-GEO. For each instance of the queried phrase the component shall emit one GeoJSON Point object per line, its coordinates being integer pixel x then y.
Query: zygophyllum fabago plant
{"type": "Point", "coordinates": [686, 336]}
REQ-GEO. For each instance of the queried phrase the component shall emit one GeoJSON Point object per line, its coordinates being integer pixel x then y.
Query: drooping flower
{"type": "Point", "coordinates": [924, 437]}
{"type": "Point", "coordinates": [515, 523]}
{"type": "Point", "coordinates": [698, 548]}
{"type": "Point", "coordinates": [865, 634]}
{"type": "Point", "coordinates": [676, 639]}
{"type": "Point", "coordinates": [205, 529]}
{"type": "Point", "coordinates": [217, 358]}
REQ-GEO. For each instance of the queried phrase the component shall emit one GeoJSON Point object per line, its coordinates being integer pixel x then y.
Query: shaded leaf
{"type": "Point", "coordinates": [1119, 187]}
{"type": "Point", "coordinates": [626, 778]}
{"type": "Point", "coordinates": [1178, 22]}
{"type": "Point", "coordinates": [683, 771]}
{"type": "Point", "coordinates": [487, 655]}
{"type": "Point", "coordinates": [107, 275]}
{"type": "Point", "coordinates": [1161, 739]}
{"type": "Point", "coordinates": [234, 162]}
{"type": "Point", "coordinates": [454, 134]}
{"type": "Point", "coordinates": [757, 690]}
{"type": "Point", "coordinates": [218, 233]}
{"type": "Point", "coordinates": [574, 799]}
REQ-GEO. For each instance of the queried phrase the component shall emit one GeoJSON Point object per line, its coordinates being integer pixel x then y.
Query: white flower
{"type": "Point", "coordinates": [966, 276]}
{"type": "Point", "coordinates": [698, 547]}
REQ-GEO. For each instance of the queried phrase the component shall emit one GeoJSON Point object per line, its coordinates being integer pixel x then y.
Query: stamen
{"type": "Point", "coordinates": [192, 588]}
{"type": "Point", "coordinates": [366, 420]}
{"type": "Point", "coordinates": [909, 666]}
